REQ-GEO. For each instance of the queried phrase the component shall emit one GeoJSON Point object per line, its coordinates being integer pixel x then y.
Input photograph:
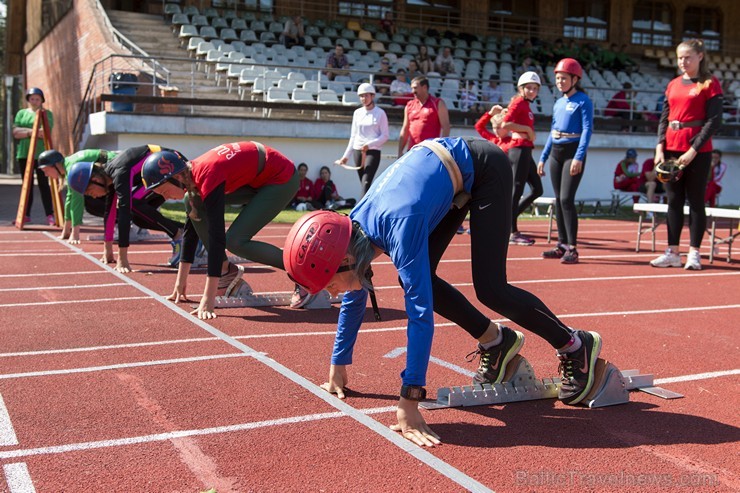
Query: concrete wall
{"type": "Point", "coordinates": [318, 144]}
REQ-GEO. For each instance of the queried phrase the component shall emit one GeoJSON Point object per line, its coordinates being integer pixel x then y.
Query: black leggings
{"type": "Point", "coordinates": [44, 188]}
{"type": "Point", "coordinates": [565, 187]}
{"type": "Point", "coordinates": [691, 187]}
{"type": "Point", "coordinates": [521, 165]}
{"type": "Point", "coordinates": [366, 174]}
{"type": "Point", "coordinates": [145, 212]}
{"type": "Point", "coordinates": [490, 224]}
{"type": "Point", "coordinates": [535, 188]}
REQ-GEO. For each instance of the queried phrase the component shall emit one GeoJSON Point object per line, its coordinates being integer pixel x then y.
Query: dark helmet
{"type": "Point", "coordinates": [79, 176]}
{"type": "Point", "coordinates": [35, 90]}
{"type": "Point", "coordinates": [631, 153]}
{"type": "Point", "coordinates": [162, 166]}
{"type": "Point", "coordinates": [50, 158]}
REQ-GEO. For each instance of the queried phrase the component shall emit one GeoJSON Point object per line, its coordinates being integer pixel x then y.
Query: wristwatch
{"type": "Point", "coordinates": [413, 392]}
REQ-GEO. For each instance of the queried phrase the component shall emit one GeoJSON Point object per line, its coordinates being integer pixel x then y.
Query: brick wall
{"type": "Point", "coordinates": [62, 62]}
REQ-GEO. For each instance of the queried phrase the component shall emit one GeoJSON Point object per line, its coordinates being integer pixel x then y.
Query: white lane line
{"type": "Point", "coordinates": [45, 274]}
{"type": "Point", "coordinates": [79, 286]}
{"type": "Point", "coordinates": [135, 364]}
{"type": "Point", "coordinates": [27, 241]}
{"type": "Point", "coordinates": [697, 376]}
{"type": "Point", "coordinates": [99, 300]}
{"type": "Point", "coordinates": [75, 447]}
{"type": "Point", "coordinates": [333, 332]}
{"type": "Point", "coordinates": [417, 452]}
{"type": "Point", "coordinates": [7, 433]}
{"type": "Point", "coordinates": [18, 478]}
{"type": "Point", "coordinates": [158, 437]}
{"type": "Point", "coordinates": [596, 279]}
{"type": "Point", "coordinates": [26, 253]}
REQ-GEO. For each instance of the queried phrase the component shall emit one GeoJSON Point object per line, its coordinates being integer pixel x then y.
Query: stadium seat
{"type": "Point", "coordinates": [228, 35]}
{"type": "Point", "coordinates": [275, 95]}
{"type": "Point", "coordinates": [327, 96]}
{"type": "Point", "coordinates": [312, 86]}
{"type": "Point", "coordinates": [219, 22]}
{"type": "Point", "coordinates": [190, 10]}
{"type": "Point", "coordinates": [193, 45]}
{"type": "Point", "coordinates": [234, 73]}
{"type": "Point", "coordinates": [179, 20]}
{"type": "Point", "coordinates": [354, 25]}
{"type": "Point", "coordinates": [247, 78]}
{"type": "Point", "coordinates": [301, 95]}
{"type": "Point", "coordinates": [268, 37]}
{"type": "Point", "coordinates": [210, 12]}
{"type": "Point", "coordinates": [208, 33]}
{"type": "Point", "coordinates": [238, 24]}
{"type": "Point", "coordinates": [199, 21]}
{"type": "Point", "coordinates": [171, 9]}
{"type": "Point", "coordinates": [248, 36]}
{"type": "Point", "coordinates": [350, 98]}
{"type": "Point", "coordinates": [365, 35]}
{"type": "Point", "coordinates": [186, 32]}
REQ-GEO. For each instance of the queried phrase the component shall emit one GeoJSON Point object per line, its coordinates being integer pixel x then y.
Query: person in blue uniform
{"type": "Point", "coordinates": [411, 213]}
{"type": "Point", "coordinates": [565, 155]}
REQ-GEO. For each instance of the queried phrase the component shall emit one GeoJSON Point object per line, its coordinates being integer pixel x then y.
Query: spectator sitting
{"type": "Point", "coordinates": [621, 105]}
{"type": "Point", "coordinates": [469, 97]}
{"type": "Point", "coordinates": [425, 61]}
{"type": "Point", "coordinates": [382, 80]}
{"type": "Point", "coordinates": [649, 184]}
{"type": "Point", "coordinates": [387, 24]}
{"type": "Point", "coordinates": [528, 65]}
{"type": "Point", "coordinates": [558, 50]}
{"type": "Point", "coordinates": [293, 34]}
{"type": "Point", "coordinates": [303, 197]}
{"type": "Point", "coordinates": [627, 174]}
{"type": "Point", "coordinates": [491, 94]}
{"type": "Point", "coordinates": [625, 62]}
{"type": "Point", "coordinates": [337, 62]}
{"type": "Point", "coordinates": [401, 89]}
{"type": "Point", "coordinates": [445, 64]}
{"type": "Point", "coordinates": [715, 177]}
{"type": "Point", "coordinates": [608, 58]}
{"type": "Point", "coordinates": [325, 192]}
{"type": "Point", "coordinates": [413, 71]}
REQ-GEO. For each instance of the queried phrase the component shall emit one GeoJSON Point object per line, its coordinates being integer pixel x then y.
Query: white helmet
{"type": "Point", "coordinates": [529, 77]}
{"type": "Point", "coordinates": [365, 88]}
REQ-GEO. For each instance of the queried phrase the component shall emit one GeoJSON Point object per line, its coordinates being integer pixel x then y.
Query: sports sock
{"type": "Point", "coordinates": [573, 345]}
{"type": "Point", "coordinates": [498, 340]}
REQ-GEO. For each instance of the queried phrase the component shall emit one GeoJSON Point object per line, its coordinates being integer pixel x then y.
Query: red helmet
{"type": "Point", "coordinates": [569, 66]}
{"type": "Point", "coordinates": [316, 245]}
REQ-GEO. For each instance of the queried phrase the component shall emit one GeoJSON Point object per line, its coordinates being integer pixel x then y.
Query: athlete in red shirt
{"type": "Point", "coordinates": [247, 174]}
{"type": "Point", "coordinates": [425, 117]}
{"type": "Point", "coordinates": [692, 113]}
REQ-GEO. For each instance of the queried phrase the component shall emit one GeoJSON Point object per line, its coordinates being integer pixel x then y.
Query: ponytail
{"type": "Point", "coordinates": [697, 46]}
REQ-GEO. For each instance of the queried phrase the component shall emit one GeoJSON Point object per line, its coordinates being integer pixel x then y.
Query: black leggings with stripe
{"type": "Point", "coordinates": [565, 186]}
{"type": "Point", "coordinates": [691, 188]}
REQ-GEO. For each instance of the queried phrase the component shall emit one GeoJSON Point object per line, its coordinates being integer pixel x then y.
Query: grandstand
{"type": "Point", "coordinates": [207, 72]}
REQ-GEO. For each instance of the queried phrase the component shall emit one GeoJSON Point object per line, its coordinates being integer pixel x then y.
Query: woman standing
{"type": "Point", "coordinates": [565, 154]}
{"type": "Point", "coordinates": [369, 133]}
{"type": "Point", "coordinates": [692, 113]}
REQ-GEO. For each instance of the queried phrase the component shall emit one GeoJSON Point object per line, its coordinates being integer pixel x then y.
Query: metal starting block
{"type": "Point", "coordinates": [242, 296]}
{"type": "Point", "coordinates": [520, 384]}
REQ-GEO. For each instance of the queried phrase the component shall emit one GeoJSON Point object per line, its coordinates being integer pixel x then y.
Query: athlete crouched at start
{"type": "Point", "coordinates": [55, 166]}
{"type": "Point", "coordinates": [241, 173]}
{"type": "Point", "coordinates": [126, 199]}
{"type": "Point", "coordinates": [411, 213]}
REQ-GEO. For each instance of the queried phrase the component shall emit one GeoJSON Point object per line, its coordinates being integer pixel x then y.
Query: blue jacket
{"type": "Point", "coordinates": [571, 115]}
{"type": "Point", "coordinates": [398, 213]}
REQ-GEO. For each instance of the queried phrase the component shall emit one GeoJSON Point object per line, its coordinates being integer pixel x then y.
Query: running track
{"type": "Point", "coordinates": [106, 386]}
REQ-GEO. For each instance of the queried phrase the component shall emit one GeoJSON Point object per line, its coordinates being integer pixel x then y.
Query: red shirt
{"type": "Point", "coordinates": [318, 187]}
{"type": "Point", "coordinates": [519, 112]}
{"type": "Point", "coordinates": [687, 102]}
{"type": "Point", "coordinates": [305, 189]}
{"type": "Point", "coordinates": [423, 120]}
{"type": "Point", "coordinates": [481, 126]}
{"type": "Point", "coordinates": [236, 165]}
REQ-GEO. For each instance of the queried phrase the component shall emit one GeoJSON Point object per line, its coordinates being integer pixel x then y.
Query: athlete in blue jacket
{"type": "Point", "coordinates": [565, 154]}
{"type": "Point", "coordinates": [411, 213]}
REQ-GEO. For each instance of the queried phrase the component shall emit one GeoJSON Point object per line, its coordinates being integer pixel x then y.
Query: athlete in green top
{"type": "Point", "coordinates": [22, 130]}
{"type": "Point", "coordinates": [56, 166]}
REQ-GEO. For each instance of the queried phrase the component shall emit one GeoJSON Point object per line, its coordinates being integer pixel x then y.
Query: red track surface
{"type": "Point", "coordinates": [104, 386]}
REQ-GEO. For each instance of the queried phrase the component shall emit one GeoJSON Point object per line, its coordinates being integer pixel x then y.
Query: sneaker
{"type": "Point", "coordinates": [493, 361]}
{"type": "Point", "coordinates": [50, 220]}
{"type": "Point", "coordinates": [570, 257]}
{"type": "Point", "coordinates": [693, 260]}
{"type": "Point", "coordinates": [229, 280]}
{"type": "Point", "coordinates": [668, 259]}
{"type": "Point", "coordinates": [556, 252]}
{"type": "Point", "coordinates": [460, 230]}
{"type": "Point", "coordinates": [467, 231]}
{"type": "Point", "coordinates": [201, 255]}
{"type": "Point", "coordinates": [520, 239]}
{"type": "Point", "coordinates": [577, 368]}
{"type": "Point", "coordinates": [174, 259]}
{"type": "Point", "coordinates": [301, 297]}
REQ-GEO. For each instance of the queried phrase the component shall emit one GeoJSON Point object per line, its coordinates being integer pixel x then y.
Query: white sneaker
{"type": "Point", "coordinates": [693, 261]}
{"type": "Point", "coordinates": [668, 259]}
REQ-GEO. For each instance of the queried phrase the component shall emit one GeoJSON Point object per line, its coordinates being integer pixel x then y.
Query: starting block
{"type": "Point", "coordinates": [611, 387]}
{"type": "Point", "coordinates": [241, 295]}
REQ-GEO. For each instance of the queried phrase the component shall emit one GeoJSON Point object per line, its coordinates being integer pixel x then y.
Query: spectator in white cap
{"type": "Point", "coordinates": [369, 133]}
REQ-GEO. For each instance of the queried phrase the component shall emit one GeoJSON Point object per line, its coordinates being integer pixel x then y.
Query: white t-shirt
{"type": "Point", "coordinates": [368, 128]}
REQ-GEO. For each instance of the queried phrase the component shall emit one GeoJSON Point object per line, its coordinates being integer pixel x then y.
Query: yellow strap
{"type": "Point", "coordinates": [154, 148]}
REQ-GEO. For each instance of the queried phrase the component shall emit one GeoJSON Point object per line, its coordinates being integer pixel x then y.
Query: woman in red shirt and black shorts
{"type": "Point", "coordinates": [692, 113]}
